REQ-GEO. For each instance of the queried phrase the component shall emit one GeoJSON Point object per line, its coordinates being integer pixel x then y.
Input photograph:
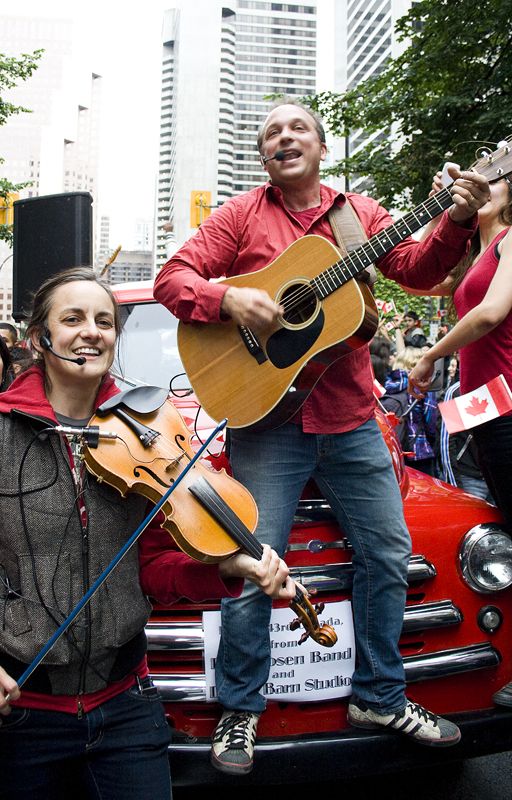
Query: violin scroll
{"type": "Point", "coordinates": [324, 635]}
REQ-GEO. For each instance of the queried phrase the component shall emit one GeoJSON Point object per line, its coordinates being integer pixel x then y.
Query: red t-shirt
{"type": "Point", "coordinates": [251, 230]}
{"type": "Point", "coordinates": [491, 355]}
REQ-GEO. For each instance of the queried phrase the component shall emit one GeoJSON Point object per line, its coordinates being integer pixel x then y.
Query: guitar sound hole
{"type": "Point", "coordinates": [300, 303]}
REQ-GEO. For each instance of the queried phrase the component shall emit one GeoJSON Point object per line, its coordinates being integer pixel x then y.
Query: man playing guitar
{"type": "Point", "coordinates": [334, 438]}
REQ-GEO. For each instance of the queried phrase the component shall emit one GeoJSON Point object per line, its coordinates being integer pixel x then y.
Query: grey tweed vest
{"type": "Point", "coordinates": [48, 560]}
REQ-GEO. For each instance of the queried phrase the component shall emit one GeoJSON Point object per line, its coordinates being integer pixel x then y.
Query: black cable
{"type": "Point", "coordinates": [212, 455]}
{"type": "Point", "coordinates": [185, 392]}
{"type": "Point", "coordinates": [70, 634]}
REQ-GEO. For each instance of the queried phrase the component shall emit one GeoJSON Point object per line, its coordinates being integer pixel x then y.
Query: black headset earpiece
{"type": "Point", "coordinates": [45, 341]}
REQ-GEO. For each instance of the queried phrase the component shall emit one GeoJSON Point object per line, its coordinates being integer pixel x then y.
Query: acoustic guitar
{"type": "Point", "coordinates": [262, 380]}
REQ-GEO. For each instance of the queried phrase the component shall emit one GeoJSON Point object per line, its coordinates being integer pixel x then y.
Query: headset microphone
{"type": "Point", "coordinates": [46, 344]}
{"type": "Point", "coordinates": [279, 156]}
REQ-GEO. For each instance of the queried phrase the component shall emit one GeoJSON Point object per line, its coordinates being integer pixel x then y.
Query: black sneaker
{"type": "Point", "coordinates": [503, 697]}
{"type": "Point", "coordinates": [233, 742]}
{"type": "Point", "coordinates": [414, 721]}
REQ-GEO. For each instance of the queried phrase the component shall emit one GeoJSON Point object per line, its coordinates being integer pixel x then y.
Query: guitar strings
{"type": "Point", "coordinates": [336, 270]}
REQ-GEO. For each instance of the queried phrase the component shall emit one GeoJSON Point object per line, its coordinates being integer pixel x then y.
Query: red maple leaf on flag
{"type": "Point", "coordinates": [477, 407]}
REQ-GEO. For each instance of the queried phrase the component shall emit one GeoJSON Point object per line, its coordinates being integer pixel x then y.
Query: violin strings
{"type": "Point", "coordinates": [171, 459]}
{"type": "Point", "coordinates": [431, 206]}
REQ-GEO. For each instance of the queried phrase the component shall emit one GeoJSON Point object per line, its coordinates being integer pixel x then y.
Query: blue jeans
{"type": "Point", "coordinates": [475, 486]}
{"type": "Point", "coordinates": [116, 751]}
{"type": "Point", "coordinates": [355, 473]}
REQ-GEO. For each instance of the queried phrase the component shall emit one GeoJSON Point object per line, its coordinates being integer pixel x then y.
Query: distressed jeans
{"type": "Point", "coordinates": [355, 473]}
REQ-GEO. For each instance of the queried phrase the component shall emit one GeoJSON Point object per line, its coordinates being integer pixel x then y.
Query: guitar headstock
{"type": "Point", "coordinates": [497, 164]}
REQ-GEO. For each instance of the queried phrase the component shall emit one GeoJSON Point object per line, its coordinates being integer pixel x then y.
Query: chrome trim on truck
{"type": "Point", "coordinates": [338, 577]}
{"type": "Point", "coordinates": [427, 666]}
{"type": "Point", "coordinates": [171, 636]}
{"type": "Point", "coordinates": [438, 614]}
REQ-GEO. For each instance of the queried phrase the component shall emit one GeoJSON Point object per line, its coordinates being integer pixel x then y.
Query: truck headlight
{"type": "Point", "coordinates": [486, 558]}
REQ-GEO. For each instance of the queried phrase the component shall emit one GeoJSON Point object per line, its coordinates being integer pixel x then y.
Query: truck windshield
{"type": "Point", "coordinates": [148, 351]}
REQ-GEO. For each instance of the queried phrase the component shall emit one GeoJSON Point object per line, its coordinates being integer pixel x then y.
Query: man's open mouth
{"type": "Point", "coordinates": [291, 155]}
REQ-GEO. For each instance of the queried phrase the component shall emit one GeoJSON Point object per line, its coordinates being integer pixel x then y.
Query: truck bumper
{"type": "Point", "coordinates": [346, 754]}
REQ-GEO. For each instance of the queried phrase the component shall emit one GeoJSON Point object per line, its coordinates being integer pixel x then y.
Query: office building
{"type": "Point", "coordinates": [368, 31]}
{"type": "Point", "coordinates": [221, 62]}
{"type": "Point", "coordinates": [131, 265]}
{"type": "Point", "coordinates": [55, 147]}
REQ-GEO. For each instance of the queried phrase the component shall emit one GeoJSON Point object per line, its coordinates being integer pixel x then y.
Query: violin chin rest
{"type": "Point", "coordinates": [141, 399]}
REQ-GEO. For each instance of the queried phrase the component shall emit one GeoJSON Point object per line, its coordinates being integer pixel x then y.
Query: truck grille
{"type": "Point", "coordinates": [186, 687]}
{"type": "Point", "coordinates": [179, 638]}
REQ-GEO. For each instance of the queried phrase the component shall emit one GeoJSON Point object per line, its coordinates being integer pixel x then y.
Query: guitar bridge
{"type": "Point", "coordinates": [252, 343]}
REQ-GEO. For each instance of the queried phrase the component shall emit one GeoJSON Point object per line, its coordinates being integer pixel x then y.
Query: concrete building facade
{"type": "Point", "coordinates": [221, 61]}
{"type": "Point", "coordinates": [368, 32]}
{"type": "Point", "coordinates": [55, 147]}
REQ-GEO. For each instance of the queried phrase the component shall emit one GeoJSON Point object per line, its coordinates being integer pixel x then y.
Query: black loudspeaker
{"type": "Point", "coordinates": [51, 233]}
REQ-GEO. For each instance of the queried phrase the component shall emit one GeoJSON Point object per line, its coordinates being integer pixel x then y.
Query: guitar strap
{"type": "Point", "coordinates": [350, 234]}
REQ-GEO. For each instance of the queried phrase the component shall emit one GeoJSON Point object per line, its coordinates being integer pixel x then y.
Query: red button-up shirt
{"type": "Point", "coordinates": [251, 230]}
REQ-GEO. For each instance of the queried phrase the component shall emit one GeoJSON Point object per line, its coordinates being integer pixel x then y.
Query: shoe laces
{"type": "Point", "coordinates": [421, 712]}
{"type": "Point", "coordinates": [235, 731]}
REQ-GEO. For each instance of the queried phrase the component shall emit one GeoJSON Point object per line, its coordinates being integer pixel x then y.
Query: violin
{"type": "Point", "coordinates": [211, 516]}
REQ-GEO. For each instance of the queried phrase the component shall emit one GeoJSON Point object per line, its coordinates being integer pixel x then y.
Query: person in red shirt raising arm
{"type": "Point", "coordinates": [334, 438]}
{"type": "Point", "coordinates": [481, 291]}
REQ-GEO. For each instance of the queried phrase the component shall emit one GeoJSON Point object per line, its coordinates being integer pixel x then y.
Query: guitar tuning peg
{"type": "Point", "coordinates": [294, 624]}
{"type": "Point", "coordinates": [319, 607]}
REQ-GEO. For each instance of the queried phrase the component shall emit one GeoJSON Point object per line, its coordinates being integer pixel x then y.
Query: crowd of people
{"type": "Point", "coordinates": [90, 710]}
{"type": "Point", "coordinates": [423, 436]}
{"type": "Point", "coordinates": [15, 357]}
{"type": "Point", "coordinates": [427, 446]}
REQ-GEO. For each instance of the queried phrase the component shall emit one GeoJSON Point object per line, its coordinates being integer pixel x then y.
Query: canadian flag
{"type": "Point", "coordinates": [385, 307]}
{"type": "Point", "coordinates": [489, 401]}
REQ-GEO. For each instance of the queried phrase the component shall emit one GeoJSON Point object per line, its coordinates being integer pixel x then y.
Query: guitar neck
{"type": "Point", "coordinates": [355, 262]}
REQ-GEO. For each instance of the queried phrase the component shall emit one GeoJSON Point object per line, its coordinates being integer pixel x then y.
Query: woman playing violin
{"type": "Point", "coordinates": [88, 716]}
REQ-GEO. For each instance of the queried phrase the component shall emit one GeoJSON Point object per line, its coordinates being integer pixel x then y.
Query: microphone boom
{"type": "Point", "coordinates": [46, 344]}
{"type": "Point", "coordinates": [279, 156]}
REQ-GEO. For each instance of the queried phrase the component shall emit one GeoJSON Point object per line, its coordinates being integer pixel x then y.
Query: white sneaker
{"type": "Point", "coordinates": [233, 742]}
{"type": "Point", "coordinates": [504, 696]}
{"type": "Point", "coordinates": [414, 721]}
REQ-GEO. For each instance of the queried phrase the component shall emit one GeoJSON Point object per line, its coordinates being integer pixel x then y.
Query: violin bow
{"type": "Point", "coordinates": [115, 561]}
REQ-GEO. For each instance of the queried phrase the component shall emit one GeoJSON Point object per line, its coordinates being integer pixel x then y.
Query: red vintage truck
{"type": "Point", "coordinates": [457, 632]}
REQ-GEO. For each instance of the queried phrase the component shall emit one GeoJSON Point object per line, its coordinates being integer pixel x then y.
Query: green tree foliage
{"type": "Point", "coordinates": [12, 71]}
{"type": "Point", "coordinates": [387, 289]}
{"type": "Point", "coordinates": [447, 94]}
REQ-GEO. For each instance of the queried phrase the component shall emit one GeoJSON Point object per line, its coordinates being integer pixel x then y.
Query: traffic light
{"type": "Point", "coordinates": [200, 207]}
{"type": "Point", "coordinates": [6, 208]}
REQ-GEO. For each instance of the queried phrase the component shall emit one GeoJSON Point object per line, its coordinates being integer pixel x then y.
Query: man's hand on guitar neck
{"type": "Point", "coordinates": [251, 307]}
{"type": "Point", "coordinates": [470, 192]}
